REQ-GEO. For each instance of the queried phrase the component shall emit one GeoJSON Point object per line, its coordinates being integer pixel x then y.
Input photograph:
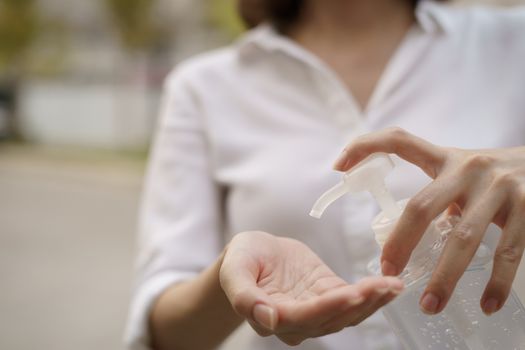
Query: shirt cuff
{"type": "Point", "coordinates": [137, 335]}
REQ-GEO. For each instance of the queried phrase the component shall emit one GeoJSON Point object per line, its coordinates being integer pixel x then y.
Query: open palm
{"type": "Point", "coordinates": [281, 287]}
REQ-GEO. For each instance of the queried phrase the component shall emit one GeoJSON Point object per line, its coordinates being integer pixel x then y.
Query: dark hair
{"type": "Point", "coordinates": [282, 13]}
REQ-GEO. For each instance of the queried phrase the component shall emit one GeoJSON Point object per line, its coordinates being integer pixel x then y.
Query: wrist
{"type": "Point", "coordinates": [203, 304]}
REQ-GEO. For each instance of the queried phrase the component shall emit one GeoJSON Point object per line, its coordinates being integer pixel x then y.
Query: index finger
{"type": "Point", "coordinates": [419, 212]}
{"type": "Point", "coordinates": [413, 149]}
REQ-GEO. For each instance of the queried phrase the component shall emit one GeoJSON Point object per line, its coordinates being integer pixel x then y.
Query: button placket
{"type": "Point", "coordinates": [338, 100]}
{"type": "Point", "coordinates": [344, 111]}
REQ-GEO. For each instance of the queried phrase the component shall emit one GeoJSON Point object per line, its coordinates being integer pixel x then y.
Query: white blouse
{"type": "Point", "coordinates": [248, 134]}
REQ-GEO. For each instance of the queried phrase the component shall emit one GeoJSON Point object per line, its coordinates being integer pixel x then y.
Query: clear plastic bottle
{"type": "Point", "coordinates": [461, 325]}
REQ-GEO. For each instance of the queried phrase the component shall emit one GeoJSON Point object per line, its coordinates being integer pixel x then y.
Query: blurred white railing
{"type": "Point", "coordinates": [97, 116]}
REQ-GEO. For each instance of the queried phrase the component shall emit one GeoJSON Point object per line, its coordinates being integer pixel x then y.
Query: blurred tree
{"type": "Point", "coordinates": [224, 15]}
{"type": "Point", "coordinates": [133, 22]}
{"type": "Point", "coordinates": [18, 30]}
{"type": "Point", "coordinates": [144, 41]}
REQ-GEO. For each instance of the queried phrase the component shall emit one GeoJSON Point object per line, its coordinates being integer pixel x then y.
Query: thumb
{"type": "Point", "coordinates": [239, 282]}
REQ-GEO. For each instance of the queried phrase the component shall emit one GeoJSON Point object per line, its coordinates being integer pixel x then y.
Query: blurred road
{"type": "Point", "coordinates": [67, 234]}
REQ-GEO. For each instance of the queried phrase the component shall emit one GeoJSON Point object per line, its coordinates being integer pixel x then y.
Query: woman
{"type": "Point", "coordinates": [245, 143]}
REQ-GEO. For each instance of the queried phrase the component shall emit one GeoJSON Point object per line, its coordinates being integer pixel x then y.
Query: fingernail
{"type": "Point", "coordinates": [383, 290]}
{"type": "Point", "coordinates": [396, 287]}
{"type": "Point", "coordinates": [341, 161]}
{"type": "Point", "coordinates": [490, 306]}
{"type": "Point", "coordinates": [356, 300]}
{"type": "Point", "coordinates": [265, 316]}
{"type": "Point", "coordinates": [388, 268]}
{"type": "Point", "coordinates": [429, 303]}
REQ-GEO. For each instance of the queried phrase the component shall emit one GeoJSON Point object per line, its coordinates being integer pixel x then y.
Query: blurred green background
{"type": "Point", "coordinates": [80, 82]}
{"type": "Point", "coordinates": [89, 73]}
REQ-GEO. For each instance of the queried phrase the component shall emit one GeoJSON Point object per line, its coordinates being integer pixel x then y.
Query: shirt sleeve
{"type": "Point", "coordinates": [179, 226]}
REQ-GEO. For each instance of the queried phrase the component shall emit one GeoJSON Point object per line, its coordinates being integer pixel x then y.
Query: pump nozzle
{"type": "Point", "coordinates": [328, 198]}
{"type": "Point", "coordinates": [368, 175]}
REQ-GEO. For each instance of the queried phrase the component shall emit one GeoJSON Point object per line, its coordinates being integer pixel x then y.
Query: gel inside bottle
{"type": "Point", "coordinates": [461, 325]}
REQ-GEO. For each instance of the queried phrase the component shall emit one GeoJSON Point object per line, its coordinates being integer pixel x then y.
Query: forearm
{"type": "Point", "coordinates": [193, 315]}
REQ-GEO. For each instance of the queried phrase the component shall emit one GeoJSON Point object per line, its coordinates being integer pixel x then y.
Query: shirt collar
{"type": "Point", "coordinates": [430, 17]}
{"type": "Point", "coordinates": [433, 18]}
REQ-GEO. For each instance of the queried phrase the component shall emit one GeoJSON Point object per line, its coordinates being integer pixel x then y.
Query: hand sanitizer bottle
{"type": "Point", "coordinates": [461, 325]}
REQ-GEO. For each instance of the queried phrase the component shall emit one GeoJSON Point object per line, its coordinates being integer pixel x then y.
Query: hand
{"type": "Point", "coordinates": [485, 185]}
{"type": "Point", "coordinates": [281, 287]}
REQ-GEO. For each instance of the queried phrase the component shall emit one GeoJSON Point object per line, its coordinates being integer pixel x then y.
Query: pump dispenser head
{"type": "Point", "coordinates": [368, 175]}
